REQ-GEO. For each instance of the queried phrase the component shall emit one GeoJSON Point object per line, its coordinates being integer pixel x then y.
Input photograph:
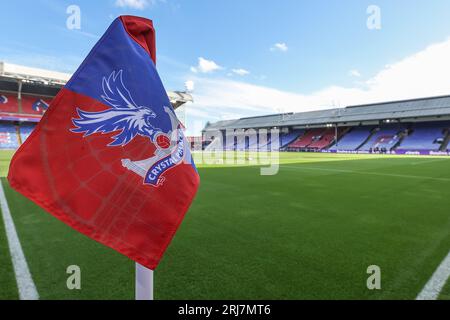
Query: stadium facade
{"type": "Point", "coordinates": [417, 126]}
{"type": "Point", "coordinates": [25, 94]}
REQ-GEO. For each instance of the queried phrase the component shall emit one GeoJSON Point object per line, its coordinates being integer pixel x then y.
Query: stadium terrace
{"type": "Point", "coordinates": [418, 126]}
{"type": "Point", "coordinates": [25, 94]}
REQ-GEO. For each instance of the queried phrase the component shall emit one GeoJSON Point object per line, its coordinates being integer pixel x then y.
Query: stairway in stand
{"type": "Point", "coordinates": [19, 138]}
{"type": "Point", "coordinates": [445, 145]}
{"type": "Point", "coordinates": [375, 130]}
{"type": "Point", "coordinates": [402, 136]}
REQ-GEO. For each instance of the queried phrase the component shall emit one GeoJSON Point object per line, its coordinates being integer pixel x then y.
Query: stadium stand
{"type": "Point", "coordinates": [286, 139]}
{"type": "Point", "coordinates": [25, 94]}
{"type": "Point", "coordinates": [34, 104]}
{"type": "Point", "coordinates": [8, 136]}
{"type": "Point", "coordinates": [354, 139]}
{"type": "Point", "coordinates": [8, 102]}
{"type": "Point", "coordinates": [384, 138]}
{"type": "Point", "coordinates": [216, 144]}
{"type": "Point", "coordinates": [446, 143]}
{"type": "Point", "coordinates": [230, 142]}
{"type": "Point", "coordinates": [308, 138]}
{"type": "Point", "coordinates": [420, 124]}
{"type": "Point", "coordinates": [241, 142]}
{"type": "Point", "coordinates": [423, 108]}
{"type": "Point", "coordinates": [196, 143]}
{"type": "Point", "coordinates": [253, 142]}
{"type": "Point", "coordinates": [266, 143]}
{"type": "Point", "coordinates": [394, 127]}
{"type": "Point", "coordinates": [323, 140]}
{"type": "Point", "coordinates": [327, 138]}
{"type": "Point", "coordinates": [425, 136]}
{"type": "Point", "coordinates": [25, 131]}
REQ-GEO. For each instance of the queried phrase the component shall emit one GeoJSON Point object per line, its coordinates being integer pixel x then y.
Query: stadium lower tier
{"type": "Point", "coordinates": [418, 138]}
{"type": "Point", "coordinates": [425, 136]}
{"type": "Point", "coordinates": [404, 138]}
{"type": "Point", "coordinates": [13, 135]}
{"type": "Point", "coordinates": [354, 139]}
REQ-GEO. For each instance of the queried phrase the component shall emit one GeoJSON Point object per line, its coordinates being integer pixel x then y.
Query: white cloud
{"type": "Point", "coordinates": [423, 74]}
{"type": "Point", "coordinates": [354, 73]}
{"type": "Point", "coordinates": [241, 72]}
{"type": "Point", "coordinates": [280, 46]}
{"type": "Point", "coordinates": [222, 96]}
{"type": "Point", "coordinates": [205, 66]}
{"type": "Point", "coordinates": [136, 4]}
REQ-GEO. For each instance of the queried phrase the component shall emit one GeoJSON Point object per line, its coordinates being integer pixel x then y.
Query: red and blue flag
{"type": "Point", "coordinates": [109, 157]}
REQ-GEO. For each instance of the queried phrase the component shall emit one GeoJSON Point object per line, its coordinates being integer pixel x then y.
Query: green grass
{"type": "Point", "coordinates": [5, 158]}
{"type": "Point", "coordinates": [308, 232]}
{"type": "Point", "coordinates": [8, 287]}
{"type": "Point", "coordinates": [445, 294]}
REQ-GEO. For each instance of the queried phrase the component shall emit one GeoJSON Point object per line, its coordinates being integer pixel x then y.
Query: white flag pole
{"type": "Point", "coordinates": [144, 283]}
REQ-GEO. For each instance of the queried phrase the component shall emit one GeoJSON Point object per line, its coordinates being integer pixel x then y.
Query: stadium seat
{"type": "Point", "coordinates": [424, 136]}
{"type": "Point", "coordinates": [385, 138]}
{"type": "Point", "coordinates": [216, 144]}
{"type": "Point", "coordinates": [352, 140]}
{"type": "Point", "coordinates": [230, 142]}
{"type": "Point", "coordinates": [253, 142]}
{"type": "Point", "coordinates": [287, 138]}
{"type": "Point", "coordinates": [8, 103]}
{"type": "Point", "coordinates": [308, 138]}
{"type": "Point", "coordinates": [327, 138]}
{"type": "Point", "coordinates": [25, 131]}
{"type": "Point", "coordinates": [8, 136]}
{"type": "Point", "coordinates": [34, 104]}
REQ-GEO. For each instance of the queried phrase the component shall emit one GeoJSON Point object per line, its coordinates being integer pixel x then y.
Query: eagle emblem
{"type": "Point", "coordinates": [126, 120]}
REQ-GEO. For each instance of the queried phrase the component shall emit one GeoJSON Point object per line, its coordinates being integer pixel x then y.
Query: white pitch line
{"type": "Point", "coordinates": [434, 286]}
{"type": "Point", "coordinates": [25, 284]}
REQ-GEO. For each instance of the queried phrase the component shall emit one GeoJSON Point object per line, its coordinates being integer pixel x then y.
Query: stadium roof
{"type": "Point", "coordinates": [33, 74]}
{"type": "Point", "coordinates": [431, 107]}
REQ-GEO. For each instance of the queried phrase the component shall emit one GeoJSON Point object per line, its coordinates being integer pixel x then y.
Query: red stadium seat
{"type": "Point", "coordinates": [34, 104]}
{"type": "Point", "coordinates": [8, 102]}
{"type": "Point", "coordinates": [305, 140]}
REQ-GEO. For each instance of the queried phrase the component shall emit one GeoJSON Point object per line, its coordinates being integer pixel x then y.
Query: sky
{"type": "Point", "coordinates": [253, 57]}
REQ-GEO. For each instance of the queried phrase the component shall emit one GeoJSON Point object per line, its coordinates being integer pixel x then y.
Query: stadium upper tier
{"type": "Point", "coordinates": [29, 104]}
{"type": "Point", "coordinates": [28, 91]}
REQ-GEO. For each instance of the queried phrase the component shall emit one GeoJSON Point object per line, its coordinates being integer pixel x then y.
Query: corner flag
{"type": "Point", "coordinates": [109, 157]}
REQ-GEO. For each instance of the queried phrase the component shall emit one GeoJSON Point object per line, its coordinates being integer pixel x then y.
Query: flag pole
{"type": "Point", "coordinates": [144, 283]}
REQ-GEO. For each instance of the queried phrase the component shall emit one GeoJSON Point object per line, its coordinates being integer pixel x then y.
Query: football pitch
{"type": "Point", "coordinates": [308, 232]}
